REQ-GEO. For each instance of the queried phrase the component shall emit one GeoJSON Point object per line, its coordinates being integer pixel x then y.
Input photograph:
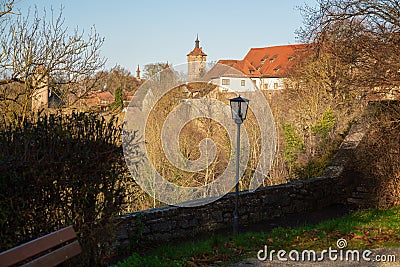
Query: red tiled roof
{"type": "Point", "coordinates": [99, 99]}
{"type": "Point", "coordinates": [271, 61]}
{"type": "Point", "coordinates": [197, 51]}
{"type": "Point", "coordinates": [228, 62]}
{"type": "Point", "coordinates": [105, 96]}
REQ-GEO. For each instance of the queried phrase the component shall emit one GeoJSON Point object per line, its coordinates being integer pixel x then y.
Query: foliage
{"type": "Point", "coordinates": [293, 144]}
{"type": "Point", "coordinates": [326, 82]}
{"type": "Point", "coordinates": [313, 168]}
{"type": "Point", "coordinates": [351, 57]}
{"type": "Point", "coordinates": [360, 34]}
{"type": "Point", "coordinates": [191, 135]}
{"type": "Point", "coordinates": [363, 229]}
{"type": "Point", "coordinates": [62, 169]}
{"type": "Point", "coordinates": [325, 125]}
{"type": "Point", "coordinates": [136, 260]}
{"type": "Point", "coordinates": [118, 103]}
{"type": "Point", "coordinates": [378, 157]}
{"type": "Point", "coordinates": [117, 76]}
{"type": "Point", "coordinates": [37, 51]}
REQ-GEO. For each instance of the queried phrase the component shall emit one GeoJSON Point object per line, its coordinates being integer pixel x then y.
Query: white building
{"type": "Point", "coordinates": [266, 68]}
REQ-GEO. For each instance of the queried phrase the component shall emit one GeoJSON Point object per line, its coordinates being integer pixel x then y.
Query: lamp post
{"type": "Point", "coordinates": [239, 107]}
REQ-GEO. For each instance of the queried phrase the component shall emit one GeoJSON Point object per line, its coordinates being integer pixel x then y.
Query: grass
{"type": "Point", "coordinates": [362, 230]}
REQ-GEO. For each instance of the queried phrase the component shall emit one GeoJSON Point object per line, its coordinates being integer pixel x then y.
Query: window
{"type": "Point", "coordinates": [242, 82]}
{"type": "Point", "coordinates": [225, 81]}
{"type": "Point", "coordinates": [265, 86]}
{"type": "Point", "coordinates": [277, 69]}
{"type": "Point", "coordinates": [275, 85]}
{"type": "Point", "coordinates": [251, 71]}
{"type": "Point", "coordinates": [263, 59]}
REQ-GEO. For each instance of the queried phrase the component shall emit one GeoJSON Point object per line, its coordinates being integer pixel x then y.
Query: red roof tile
{"type": "Point", "coordinates": [271, 61]}
{"type": "Point", "coordinates": [197, 51]}
{"type": "Point", "coordinates": [105, 96]}
{"type": "Point", "coordinates": [228, 62]}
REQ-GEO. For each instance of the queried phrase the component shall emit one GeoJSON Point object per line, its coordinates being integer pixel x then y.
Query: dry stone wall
{"type": "Point", "coordinates": [155, 226]}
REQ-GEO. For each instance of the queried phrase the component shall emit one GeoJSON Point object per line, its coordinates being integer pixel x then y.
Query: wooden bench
{"type": "Point", "coordinates": [48, 250]}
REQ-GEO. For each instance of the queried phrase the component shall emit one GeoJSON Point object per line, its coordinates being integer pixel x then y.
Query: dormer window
{"type": "Point", "coordinates": [251, 71]}
{"type": "Point", "coordinates": [263, 59]}
{"type": "Point", "coordinates": [277, 69]}
{"type": "Point", "coordinates": [272, 59]}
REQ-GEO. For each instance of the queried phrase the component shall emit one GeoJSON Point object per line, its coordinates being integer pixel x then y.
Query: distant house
{"type": "Point", "coordinates": [266, 67]}
{"type": "Point", "coordinates": [100, 100]}
{"type": "Point", "coordinates": [45, 94]}
{"type": "Point", "coordinates": [128, 96]}
{"type": "Point", "coordinates": [40, 96]}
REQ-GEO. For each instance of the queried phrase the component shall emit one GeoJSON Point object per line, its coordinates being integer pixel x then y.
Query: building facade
{"type": "Point", "coordinates": [265, 67]}
{"type": "Point", "coordinates": [40, 96]}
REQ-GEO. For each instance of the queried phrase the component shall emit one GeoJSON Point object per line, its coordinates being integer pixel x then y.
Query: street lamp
{"type": "Point", "coordinates": [239, 107]}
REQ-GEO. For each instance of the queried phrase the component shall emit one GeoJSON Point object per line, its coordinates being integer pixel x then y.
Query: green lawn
{"type": "Point", "coordinates": [363, 229]}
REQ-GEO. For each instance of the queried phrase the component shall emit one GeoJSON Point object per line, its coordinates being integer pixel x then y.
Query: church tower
{"type": "Point", "coordinates": [196, 62]}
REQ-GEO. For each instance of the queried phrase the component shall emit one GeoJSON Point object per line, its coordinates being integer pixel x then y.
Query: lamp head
{"type": "Point", "coordinates": [239, 107]}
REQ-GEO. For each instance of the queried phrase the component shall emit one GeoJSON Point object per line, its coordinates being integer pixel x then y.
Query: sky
{"type": "Point", "coordinates": [143, 32]}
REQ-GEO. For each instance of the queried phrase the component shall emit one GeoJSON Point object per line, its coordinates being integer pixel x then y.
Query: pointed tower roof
{"type": "Point", "coordinates": [138, 72]}
{"type": "Point", "coordinates": [197, 51]}
{"type": "Point", "coordinates": [197, 42]}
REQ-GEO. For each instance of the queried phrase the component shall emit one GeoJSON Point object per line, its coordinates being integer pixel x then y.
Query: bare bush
{"type": "Point", "coordinates": [379, 155]}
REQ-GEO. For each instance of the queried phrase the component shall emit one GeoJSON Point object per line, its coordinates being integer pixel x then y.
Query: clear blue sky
{"type": "Point", "coordinates": [142, 32]}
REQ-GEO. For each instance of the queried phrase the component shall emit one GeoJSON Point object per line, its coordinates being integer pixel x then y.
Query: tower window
{"type": "Point", "coordinates": [225, 82]}
{"type": "Point", "coordinates": [242, 82]}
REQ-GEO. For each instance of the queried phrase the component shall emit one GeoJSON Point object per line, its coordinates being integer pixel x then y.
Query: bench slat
{"type": "Point", "coordinates": [56, 257]}
{"type": "Point", "coordinates": [34, 247]}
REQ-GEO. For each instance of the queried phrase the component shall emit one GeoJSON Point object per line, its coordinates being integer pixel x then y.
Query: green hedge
{"type": "Point", "coordinates": [57, 170]}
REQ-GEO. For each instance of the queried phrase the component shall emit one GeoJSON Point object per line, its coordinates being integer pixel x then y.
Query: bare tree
{"type": "Point", "coordinates": [40, 52]}
{"type": "Point", "coordinates": [362, 34]}
{"type": "Point", "coordinates": [6, 7]}
{"type": "Point", "coordinates": [152, 69]}
{"type": "Point", "coordinates": [119, 77]}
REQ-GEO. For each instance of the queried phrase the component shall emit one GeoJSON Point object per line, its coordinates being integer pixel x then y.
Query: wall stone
{"type": "Point", "coordinates": [167, 223]}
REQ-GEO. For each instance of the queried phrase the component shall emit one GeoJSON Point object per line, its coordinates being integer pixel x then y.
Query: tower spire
{"type": "Point", "coordinates": [196, 62]}
{"type": "Point", "coordinates": [138, 72]}
{"type": "Point", "coordinates": [197, 41]}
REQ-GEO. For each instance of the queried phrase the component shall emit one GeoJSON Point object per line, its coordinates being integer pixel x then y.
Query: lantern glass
{"type": "Point", "coordinates": [239, 107]}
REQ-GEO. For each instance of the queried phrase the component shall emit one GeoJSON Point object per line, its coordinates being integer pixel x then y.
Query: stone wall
{"type": "Point", "coordinates": [170, 222]}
